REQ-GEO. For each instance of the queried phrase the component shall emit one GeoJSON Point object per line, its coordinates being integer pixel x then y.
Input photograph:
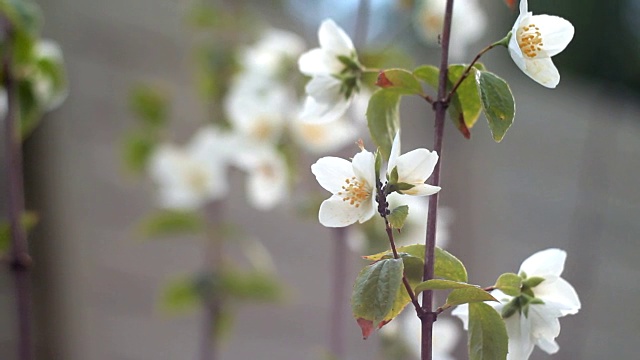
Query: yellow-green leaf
{"type": "Point", "coordinates": [399, 80]}
{"type": "Point", "coordinates": [509, 283]}
{"type": "Point", "coordinates": [488, 338]}
{"type": "Point", "coordinates": [468, 294]}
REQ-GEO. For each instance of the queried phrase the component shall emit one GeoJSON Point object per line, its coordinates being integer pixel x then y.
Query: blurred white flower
{"type": "Point", "coordinates": [334, 72]}
{"type": "Point", "coordinates": [272, 53]}
{"type": "Point", "coordinates": [267, 181]}
{"type": "Point", "coordinates": [323, 137]}
{"type": "Point", "coordinates": [258, 108]}
{"type": "Point", "coordinates": [534, 319]}
{"type": "Point", "coordinates": [468, 24]}
{"type": "Point", "coordinates": [191, 176]}
{"type": "Point", "coordinates": [534, 40]}
{"type": "Point", "coordinates": [415, 226]}
{"type": "Point", "coordinates": [352, 185]}
{"type": "Point", "coordinates": [414, 168]}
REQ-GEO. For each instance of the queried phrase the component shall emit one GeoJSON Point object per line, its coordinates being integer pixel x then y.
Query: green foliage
{"type": "Point", "coordinates": [23, 15]}
{"type": "Point", "coordinates": [29, 220]}
{"type": "Point", "coordinates": [180, 295]}
{"type": "Point", "coordinates": [398, 216]}
{"type": "Point", "coordinates": [429, 74]}
{"type": "Point", "coordinates": [374, 291]}
{"type": "Point", "coordinates": [171, 222]}
{"type": "Point", "coordinates": [150, 104]}
{"type": "Point", "coordinates": [488, 338]}
{"type": "Point", "coordinates": [465, 106]}
{"type": "Point", "coordinates": [383, 118]}
{"type": "Point", "coordinates": [497, 103]}
{"type": "Point", "coordinates": [251, 286]}
{"type": "Point", "coordinates": [509, 283]}
{"type": "Point", "coordinates": [399, 80]}
{"type": "Point", "coordinates": [137, 148]}
{"type": "Point", "coordinates": [446, 266]}
{"type": "Point", "coordinates": [413, 269]}
{"type": "Point", "coordinates": [440, 284]}
{"type": "Point", "coordinates": [469, 294]}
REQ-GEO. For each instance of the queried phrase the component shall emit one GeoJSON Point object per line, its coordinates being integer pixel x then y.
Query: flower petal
{"type": "Point", "coordinates": [559, 292]}
{"type": "Point", "coordinates": [317, 113]}
{"type": "Point", "coordinates": [334, 40]}
{"type": "Point", "coordinates": [416, 166]}
{"type": "Point", "coordinates": [543, 71]}
{"type": "Point", "coordinates": [518, 330]}
{"type": "Point", "coordinates": [331, 172]}
{"type": "Point", "coordinates": [324, 89]}
{"type": "Point", "coordinates": [364, 167]}
{"type": "Point", "coordinates": [319, 62]}
{"type": "Point", "coordinates": [334, 212]}
{"type": "Point", "coordinates": [556, 32]}
{"type": "Point", "coordinates": [545, 327]}
{"type": "Point", "coordinates": [395, 153]}
{"type": "Point", "coordinates": [549, 262]}
{"type": "Point", "coordinates": [422, 190]}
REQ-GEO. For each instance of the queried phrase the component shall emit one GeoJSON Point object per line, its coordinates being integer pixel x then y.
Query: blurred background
{"type": "Point", "coordinates": [564, 176]}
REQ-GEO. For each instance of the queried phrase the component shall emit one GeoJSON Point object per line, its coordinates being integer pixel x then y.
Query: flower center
{"type": "Point", "coordinates": [262, 130]}
{"type": "Point", "coordinates": [314, 133]}
{"type": "Point", "coordinates": [197, 179]}
{"type": "Point", "coordinates": [530, 40]}
{"type": "Point", "coordinates": [354, 191]}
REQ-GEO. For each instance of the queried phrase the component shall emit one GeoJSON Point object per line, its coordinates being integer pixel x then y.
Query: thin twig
{"type": "Point", "coordinates": [440, 107]}
{"type": "Point", "coordinates": [20, 261]}
{"type": "Point", "coordinates": [467, 71]}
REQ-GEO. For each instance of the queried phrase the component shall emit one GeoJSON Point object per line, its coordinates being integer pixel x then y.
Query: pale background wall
{"type": "Point", "coordinates": [565, 176]}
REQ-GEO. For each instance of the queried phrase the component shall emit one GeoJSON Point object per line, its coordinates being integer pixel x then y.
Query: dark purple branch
{"type": "Point", "coordinates": [440, 108]}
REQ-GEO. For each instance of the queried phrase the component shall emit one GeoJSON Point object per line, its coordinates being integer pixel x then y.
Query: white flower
{"type": "Point", "coordinates": [534, 40]}
{"type": "Point", "coordinates": [352, 185]}
{"type": "Point", "coordinates": [468, 24]}
{"type": "Point", "coordinates": [414, 168]}
{"type": "Point", "coordinates": [267, 182]}
{"type": "Point", "coordinates": [258, 107]}
{"type": "Point", "coordinates": [272, 53]}
{"type": "Point", "coordinates": [539, 324]}
{"type": "Point", "coordinates": [189, 177]}
{"type": "Point", "coordinates": [415, 226]}
{"type": "Point", "coordinates": [329, 92]}
{"type": "Point", "coordinates": [323, 137]}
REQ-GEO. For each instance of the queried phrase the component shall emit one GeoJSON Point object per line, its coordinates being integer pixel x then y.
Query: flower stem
{"type": "Point", "coordinates": [337, 331]}
{"type": "Point", "coordinates": [20, 260]}
{"type": "Point", "coordinates": [212, 267]}
{"type": "Point", "coordinates": [440, 108]}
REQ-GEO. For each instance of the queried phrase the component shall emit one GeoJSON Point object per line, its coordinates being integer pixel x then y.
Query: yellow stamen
{"type": "Point", "coordinates": [530, 40]}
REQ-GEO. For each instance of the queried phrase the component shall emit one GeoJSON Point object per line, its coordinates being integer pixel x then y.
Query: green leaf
{"type": "Point", "coordinates": [150, 104]}
{"type": "Point", "coordinates": [532, 281]}
{"type": "Point", "coordinates": [171, 222]}
{"type": "Point", "coordinates": [29, 220]}
{"type": "Point", "coordinates": [465, 106]}
{"type": "Point", "coordinates": [413, 269]}
{"type": "Point", "coordinates": [251, 286]}
{"type": "Point", "coordinates": [383, 119]}
{"type": "Point", "coordinates": [398, 216]}
{"type": "Point", "coordinates": [429, 74]}
{"type": "Point", "coordinates": [399, 80]}
{"type": "Point", "coordinates": [374, 292]}
{"type": "Point", "coordinates": [180, 295]}
{"type": "Point", "coordinates": [509, 283]}
{"type": "Point", "coordinates": [137, 148]}
{"type": "Point", "coordinates": [497, 102]}
{"type": "Point", "coordinates": [488, 338]}
{"type": "Point", "coordinates": [447, 266]}
{"type": "Point", "coordinates": [438, 284]}
{"type": "Point", "coordinates": [468, 294]}
{"type": "Point", "coordinates": [24, 15]}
